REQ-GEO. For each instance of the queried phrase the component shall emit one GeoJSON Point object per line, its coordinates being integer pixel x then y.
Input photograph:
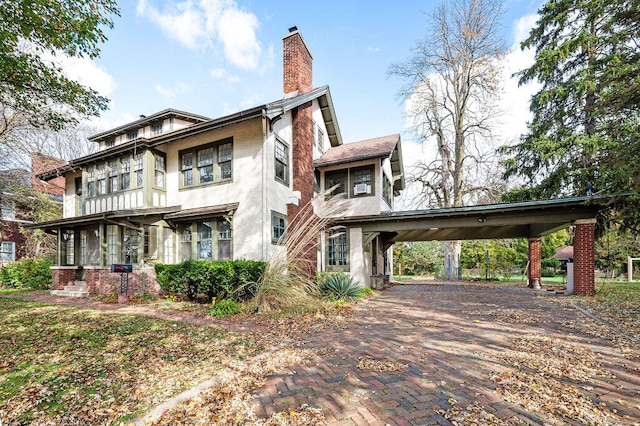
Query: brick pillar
{"type": "Point", "coordinates": [584, 257]}
{"type": "Point", "coordinates": [534, 260]}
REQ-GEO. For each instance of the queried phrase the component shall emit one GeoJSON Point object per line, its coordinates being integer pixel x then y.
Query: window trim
{"type": "Point", "coordinates": [279, 216]}
{"type": "Point", "coordinates": [277, 161]}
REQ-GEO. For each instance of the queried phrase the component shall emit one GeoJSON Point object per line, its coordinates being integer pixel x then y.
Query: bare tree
{"type": "Point", "coordinates": [454, 82]}
{"type": "Point", "coordinates": [19, 139]}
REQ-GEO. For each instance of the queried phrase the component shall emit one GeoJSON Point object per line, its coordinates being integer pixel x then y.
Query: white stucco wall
{"type": "Point", "coordinates": [69, 199]}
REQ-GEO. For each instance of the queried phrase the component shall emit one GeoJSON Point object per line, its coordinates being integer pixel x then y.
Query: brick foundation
{"type": "Point", "coordinates": [535, 245]}
{"type": "Point", "coordinates": [103, 281]}
{"type": "Point", "coordinates": [61, 276]}
{"type": "Point", "coordinates": [584, 258]}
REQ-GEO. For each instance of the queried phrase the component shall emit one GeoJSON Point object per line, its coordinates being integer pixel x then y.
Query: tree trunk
{"type": "Point", "coordinates": [452, 251]}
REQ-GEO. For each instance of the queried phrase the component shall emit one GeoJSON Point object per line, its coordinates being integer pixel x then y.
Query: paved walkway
{"type": "Point", "coordinates": [447, 342]}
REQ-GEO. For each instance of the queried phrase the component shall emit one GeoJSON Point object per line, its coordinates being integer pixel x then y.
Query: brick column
{"type": "Point", "coordinates": [584, 257]}
{"type": "Point", "coordinates": [534, 260]}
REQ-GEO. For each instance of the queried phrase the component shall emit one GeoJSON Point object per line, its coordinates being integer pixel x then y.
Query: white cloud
{"type": "Point", "coordinates": [171, 92]}
{"type": "Point", "coordinates": [211, 24]}
{"type": "Point", "coordinates": [84, 71]}
{"type": "Point", "coordinates": [222, 74]}
{"type": "Point", "coordinates": [373, 49]}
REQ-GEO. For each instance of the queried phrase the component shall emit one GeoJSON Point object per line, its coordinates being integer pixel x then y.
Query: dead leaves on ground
{"type": "Point", "coordinates": [371, 364]}
{"type": "Point", "coordinates": [541, 366]}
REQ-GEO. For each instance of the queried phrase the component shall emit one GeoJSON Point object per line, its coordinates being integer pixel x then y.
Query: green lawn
{"type": "Point", "coordinates": [62, 365]}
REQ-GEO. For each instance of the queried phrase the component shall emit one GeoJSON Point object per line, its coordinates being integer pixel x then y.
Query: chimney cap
{"type": "Point", "coordinates": [292, 29]}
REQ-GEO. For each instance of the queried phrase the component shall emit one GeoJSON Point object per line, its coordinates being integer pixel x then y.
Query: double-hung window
{"type": "Point", "coordinates": [282, 162]}
{"type": "Point", "coordinates": [205, 164]}
{"type": "Point", "coordinates": [113, 176]}
{"type": "Point", "coordinates": [224, 239]}
{"type": "Point", "coordinates": [8, 251]}
{"type": "Point", "coordinates": [187, 168]}
{"type": "Point", "coordinates": [125, 173]}
{"type": "Point", "coordinates": [91, 182]}
{"type": "Point", "coordinates": [278, 226]}
{"type": "Point", "coordinates": [102, 179]}
{"type": "Point", "coordinates": [138, 160]}
{"type": "Point", "coordinates": [335, 182]}
{"type": "Point", "coordinates": [156, 129]}
{"type": "Point", "coordinates": [159, 170]}
{"type": "Point", "coordinates": [362, 181]}
{"type": "Point", "coordinates": [8, 209]}
{"type": "Point", "coordinates": [225, 154]}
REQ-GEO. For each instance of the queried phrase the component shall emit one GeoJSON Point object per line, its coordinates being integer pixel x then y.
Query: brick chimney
{"type": "Point", "coordinates": [297, 79]}
{"type": "Point", "coordinates": [297, 63]}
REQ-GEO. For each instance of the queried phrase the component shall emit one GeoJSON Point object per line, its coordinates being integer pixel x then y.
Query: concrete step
{"type": "Point", "coordinates": [76, 287]}
{"type": "Point", "coordinates": [69, 293]}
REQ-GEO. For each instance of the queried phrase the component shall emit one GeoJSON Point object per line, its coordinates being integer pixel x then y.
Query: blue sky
{"type": "Point", "coordinates": [214, 57]}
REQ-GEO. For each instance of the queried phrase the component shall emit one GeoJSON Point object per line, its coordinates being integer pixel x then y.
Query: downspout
{"type": "Point", "coordinates": [265, 224]}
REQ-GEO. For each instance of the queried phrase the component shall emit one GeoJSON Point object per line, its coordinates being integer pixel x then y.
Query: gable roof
{"type": "Point", "coordinates": [380, 147]}
{"type": "Point", "coordinates": [271, 110]}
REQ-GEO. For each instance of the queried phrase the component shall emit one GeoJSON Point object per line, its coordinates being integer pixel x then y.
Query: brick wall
{"type": "Point", "coordinates": [535, 245]}
{"type": "Point", "coordinates": [584, 258]}
{"type": "Point", "coordinates": [103, 281]}
{"type": "Point", "coordinates": [61, 277]}
{"type": "Point", "coordinates": [297, 69]}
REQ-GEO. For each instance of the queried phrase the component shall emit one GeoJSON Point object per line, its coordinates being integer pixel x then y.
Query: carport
{"type": "Point", "coordinates": [530, 220]}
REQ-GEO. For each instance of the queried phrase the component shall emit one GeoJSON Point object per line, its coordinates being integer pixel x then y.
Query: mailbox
{"type": "Point", "coordinates": [124, 268]}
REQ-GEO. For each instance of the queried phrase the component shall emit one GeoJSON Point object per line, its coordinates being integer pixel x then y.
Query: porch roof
{"type": "Point", "coordinates": [69, 222]}
{"type": "Point", "coordinates": [524, 219]}
{"type": "Point", "coordinates": [189, 214]}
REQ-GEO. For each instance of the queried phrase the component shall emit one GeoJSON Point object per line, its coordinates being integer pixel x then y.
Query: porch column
{"type": "Point", "coordinates": [534, 260]}
{"type": "Point", "coordinates": [584, 257]}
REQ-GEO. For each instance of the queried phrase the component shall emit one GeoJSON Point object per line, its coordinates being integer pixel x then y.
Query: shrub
{"type": "Point", "coordinates": [223, 308]}
{"type": "Point", "coordinates": [366, 292]}
{"type": "Point", "coordinates": [28, 272]}
{"type": "Point", "coordinates": [339, 286]}
{"type": "Point", "coordinates": [547, 273]}
{"type": "Point", "coordinates": [220, 279]}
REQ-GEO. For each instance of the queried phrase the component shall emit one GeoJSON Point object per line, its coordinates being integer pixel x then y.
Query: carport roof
{"type": "Point", "coordinates": [514, 220]}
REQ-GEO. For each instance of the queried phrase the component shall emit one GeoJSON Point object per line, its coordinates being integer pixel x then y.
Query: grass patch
{"type": "Point", "coordinates": [15, 290]}
{"type": "Point", "coordinates": [61, 365]}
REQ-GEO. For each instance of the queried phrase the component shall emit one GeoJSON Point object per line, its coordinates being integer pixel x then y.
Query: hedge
{"type": "Point", "coordinates": [28, 272]}
{"type": "Point", "coordinates": [218, 279]}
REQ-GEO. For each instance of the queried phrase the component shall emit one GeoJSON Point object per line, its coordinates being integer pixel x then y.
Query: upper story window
{"type": "Point", "coordinates": [362, 181]}
{"type": "Point", "coordinates": [335, 182]}
{"type": "Point", "coordinates": [132, 135]}
{"type": "Point", "coordinates": [207, 164]}
{"type": "Point", "coordinates": [355, 182]}
{"type": "Point", "coordinates": [387, 191]}
{"type": "Point", "coordinates": [110, 143]}
{"type": "Point", "coordinates": [113, 176]}
{"type": "Point", "coordinates": [102, 178]}
{"type": "Point", "coordinates": [138, 163]}
{"type": "Point", "coordinates": [156, 129]}
{"type": "Point", "coordinates": [320, 139]}
{"type": "Point", "coordinates": [91, 182]}
{"type": "Point", "coordinates": [159, 168]}
{"type": "Point", "coordinates": [8, 209]}
{"type": "Point", "coordinates": [125, 172]}
{"type": "Point", "coordinates": [282, 162]}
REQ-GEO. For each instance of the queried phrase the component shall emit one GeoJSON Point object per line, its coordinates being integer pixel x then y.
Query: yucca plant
{"type": "Point", "coordinates": [340, 286]}
{"type": "Point", "coordinates": [287, 282]}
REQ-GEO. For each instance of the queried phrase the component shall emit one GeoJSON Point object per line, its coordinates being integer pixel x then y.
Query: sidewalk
{"type": "Point", "coordinates": [445, 343]}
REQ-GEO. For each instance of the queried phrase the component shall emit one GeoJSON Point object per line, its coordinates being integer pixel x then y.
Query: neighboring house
{"type": "Point", "coordinates": [16, 205]}
{"type": "Point", "coordinates": [173, 186]}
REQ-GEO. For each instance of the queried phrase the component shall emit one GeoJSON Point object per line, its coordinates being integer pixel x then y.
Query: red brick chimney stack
{"type": "Point", "coordinates": [297, 63]}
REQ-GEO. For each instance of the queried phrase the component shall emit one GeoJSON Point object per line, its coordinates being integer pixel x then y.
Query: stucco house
{"type": "Point", "coordinates": [175, 185]}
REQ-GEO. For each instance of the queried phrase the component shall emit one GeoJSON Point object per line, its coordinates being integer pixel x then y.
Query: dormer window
{"type": "Point", "coordinates": [156, 129]}
{"type": "Point", "coordinates": [133, 135]}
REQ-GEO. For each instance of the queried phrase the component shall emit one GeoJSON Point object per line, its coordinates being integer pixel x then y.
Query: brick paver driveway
{"type": "Point", "coordinates": [460, 348]}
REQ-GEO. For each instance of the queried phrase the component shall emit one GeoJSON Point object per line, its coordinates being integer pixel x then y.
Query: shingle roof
{"type": "Point", "coordinates": [363, 150]}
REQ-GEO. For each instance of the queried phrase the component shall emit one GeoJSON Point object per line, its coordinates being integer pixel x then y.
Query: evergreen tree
{"type": "Point", "coordinates": [584, 131]}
